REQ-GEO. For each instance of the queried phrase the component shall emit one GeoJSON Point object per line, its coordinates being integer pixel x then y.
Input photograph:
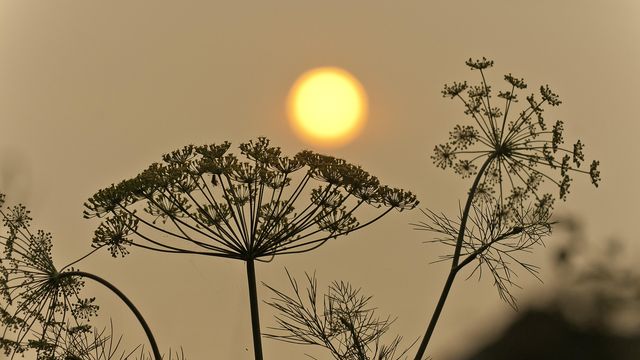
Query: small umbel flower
{"type": "Point", "coordinates": [205, 200]}
{"type": "Point", "coordinates": [510, 152]}
{"type": "Point", "coordinates": [37, 302]}
{"type": "Point", "coordinates": [510, 155]}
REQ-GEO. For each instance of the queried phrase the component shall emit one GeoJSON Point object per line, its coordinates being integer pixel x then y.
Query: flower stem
{"type": "Point", "coordinates": [356, 340]}
{"type": "Point", "coordinates": [255, 316]}
{"type": "Point", "coordinates": [121, 295]}
{"type": "Point", "coordinates": [454, 262]}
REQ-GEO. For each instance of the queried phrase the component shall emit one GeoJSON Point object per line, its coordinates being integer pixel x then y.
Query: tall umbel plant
{"type": "Point", "coordinates": [509, 155]}
{"type": "Point", "coordinates": [204, 200]}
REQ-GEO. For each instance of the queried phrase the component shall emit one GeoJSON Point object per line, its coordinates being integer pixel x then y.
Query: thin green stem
{"type": "Point", "coordinates": [123, 297]}
{"type": "Point", "coordinates": [454, 262]}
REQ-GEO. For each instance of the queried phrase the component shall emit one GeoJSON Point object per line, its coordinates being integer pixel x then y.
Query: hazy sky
{"type": "Point", "coordinates": [93, 92]}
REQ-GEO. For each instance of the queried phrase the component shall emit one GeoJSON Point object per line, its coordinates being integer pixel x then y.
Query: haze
{"type": "Point", "coordinates": [93, 92]}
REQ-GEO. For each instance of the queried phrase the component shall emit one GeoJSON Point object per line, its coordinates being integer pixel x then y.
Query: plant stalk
{"type": "Point", "coordinates": [255, 316]}
{"type": "Point", "coordinates": [123, 297]}
{"type": "Point", "coordinates": [356, 341]}
{"type": "Point", "coordinates": [436, 314]}
{"type": "Point", "coordinates": [454, 262]}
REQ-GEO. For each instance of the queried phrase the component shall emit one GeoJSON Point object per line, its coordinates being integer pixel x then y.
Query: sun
{"type": "Point", "coordinates": [327, 106]}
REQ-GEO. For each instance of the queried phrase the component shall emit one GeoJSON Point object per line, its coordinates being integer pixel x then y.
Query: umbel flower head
{"type": "Point", "coordinates": [206, 200]}
{"type": "Point", "coordinates": [36, 302]}
{"type": "Point", "coordinates": [513, 152]}
{"type": "Point", "coordinates": [510, 154]}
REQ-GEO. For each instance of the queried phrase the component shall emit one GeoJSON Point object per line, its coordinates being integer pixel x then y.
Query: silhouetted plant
{"type": "Point", "coordinates": [203, 200]}
{"type": "Point", "coordinates": [42, 308]}
{"type": "Point", "coordinates": [506, 212]}
{"type": "Point", "coordinates": [173, 355]}
{"type": "Point", "coordinates": [92, 344]}
{"type": "Point", "coordinates": [340, 320]}
{"type": "Point", "coordinates": [86, 343]}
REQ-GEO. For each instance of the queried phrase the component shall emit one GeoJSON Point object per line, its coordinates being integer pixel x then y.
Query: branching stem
{"type": "Point", "coordinates": [454, 261]}
{"type": "Point", "coordinates": [356, 341]}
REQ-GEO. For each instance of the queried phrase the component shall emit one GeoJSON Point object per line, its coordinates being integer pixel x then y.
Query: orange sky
{"type": "Point", "coordinates": [93, 92]}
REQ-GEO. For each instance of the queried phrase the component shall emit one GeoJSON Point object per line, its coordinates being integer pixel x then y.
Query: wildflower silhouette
{"type": "Point", "coordinates": [42, 305]}
{"type": "Point", "coordinates": [173, 355]}
{"type": "Point", "coordinates": [203, 200]}
{"type": "Point", "coordinates": [509, 157]}
{"type": "Point", "coordinates": [345, 324]}
{"type": "Point", "coordinates": [93, 344]}
{"type": "Point", "coordinates": [86, 343]}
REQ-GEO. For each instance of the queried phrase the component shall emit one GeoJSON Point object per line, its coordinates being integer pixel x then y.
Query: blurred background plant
{"type": "Point", "coordinates": [597, 288]}
{"type": "Point", "coordinates": [591, 312]}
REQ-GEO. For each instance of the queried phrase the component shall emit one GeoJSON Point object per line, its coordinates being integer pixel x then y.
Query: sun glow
{"type": "Point", "coordinates": [327, 106]}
